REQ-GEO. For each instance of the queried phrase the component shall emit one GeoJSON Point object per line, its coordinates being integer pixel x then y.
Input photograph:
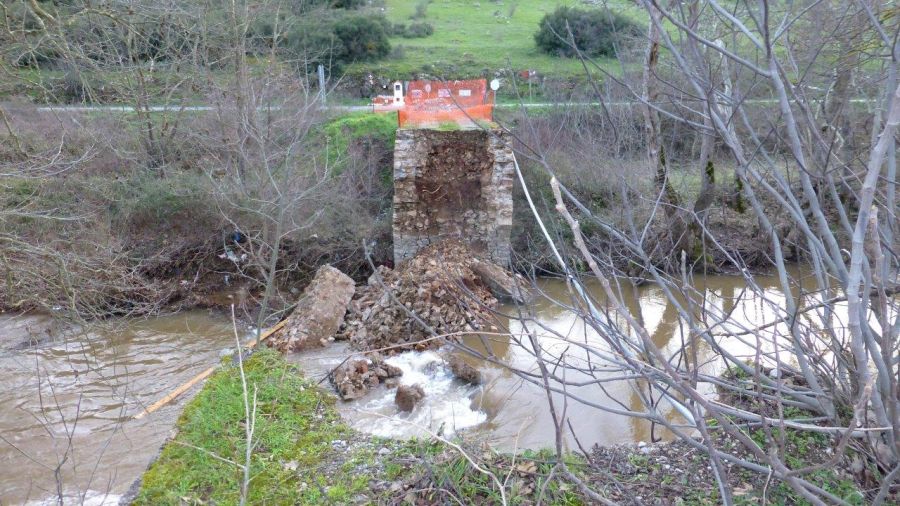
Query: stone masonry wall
{"type": "Point", "coordinates": [453, 184]}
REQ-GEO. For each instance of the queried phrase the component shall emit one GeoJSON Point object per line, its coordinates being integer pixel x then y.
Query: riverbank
{"type": "Point", "coordinates": [302, 453]}
{"type": "Point", "coordinates": [122, 236]}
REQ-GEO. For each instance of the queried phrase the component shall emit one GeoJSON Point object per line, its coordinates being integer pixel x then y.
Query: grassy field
{"type": "Point", "coordinates": [477, 38]}
{"type": "Point", "coordinates": [471, 39]}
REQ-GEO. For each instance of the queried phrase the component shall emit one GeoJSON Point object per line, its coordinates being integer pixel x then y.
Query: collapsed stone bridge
{"type": "Point", "coordinates": [453, 184]}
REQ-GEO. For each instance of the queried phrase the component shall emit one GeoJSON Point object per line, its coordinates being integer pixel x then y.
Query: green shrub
{"type": "Point", "coordinates": [421, 9]}
{"type": "Point", "coordinates": [315, 42]}
{"type": "Point", "coordinates": [348, 4]}
{"type": "Point", "coordinates": [364, 38]}
{"type": "Point", "coordinates": [596, 32]}
{"type": "Point", "coordinates": [335, 39]}
{"type": "Point", "coordinates": [304, 6]}
{"type": "Point", "coordinates": [412, 31]}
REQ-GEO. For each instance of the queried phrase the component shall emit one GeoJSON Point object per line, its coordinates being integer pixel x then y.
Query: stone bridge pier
{"type": "Point", "coordinates": [453, 184]}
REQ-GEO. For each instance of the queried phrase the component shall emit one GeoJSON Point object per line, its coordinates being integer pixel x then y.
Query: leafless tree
{"type": "Point", "coordinates": [781, 115]}
{"type": "Point", "coordinates": [753, 77]}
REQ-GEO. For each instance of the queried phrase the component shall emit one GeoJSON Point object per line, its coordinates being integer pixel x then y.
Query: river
{"type": "Point", "coordinates": [68, 396]}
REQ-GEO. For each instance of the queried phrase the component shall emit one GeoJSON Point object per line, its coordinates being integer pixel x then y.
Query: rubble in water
{"type": "Point", "coordinates": [357, 375]}
{"type": "Point", "coordinates": [319, 312]}
{"type": "Point", "coordinates": [408, 396]}
{"type": "Point", "coordinates": [462, 370]}
{"type": "Point", "coordinates": [440, 286]}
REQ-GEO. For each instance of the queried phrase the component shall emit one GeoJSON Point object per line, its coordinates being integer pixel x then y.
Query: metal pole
{"type": "Point", "coordinates": [322, 83]}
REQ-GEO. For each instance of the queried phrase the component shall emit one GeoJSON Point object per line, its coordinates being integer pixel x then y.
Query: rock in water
{"type": "Point", "coordinates": [350, 379]}
{"type": "Point", "coordinates": [408, 396]}
{"type": "Point", "coordinates": [319, 312]}
{"type": "Point", "coordinates": [357, 375]}
{"type": "Point", "coordinates": [463, 370]}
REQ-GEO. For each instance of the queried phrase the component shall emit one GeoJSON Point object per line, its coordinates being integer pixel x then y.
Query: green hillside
{"type": "Point", "coordinates": [476, 38]}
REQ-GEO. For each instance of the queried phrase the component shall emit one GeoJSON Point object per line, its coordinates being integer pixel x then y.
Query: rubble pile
{"type": "Point", "coordinates": [444, 289]}
{"type": "Point", "coordinates": [441, 286]}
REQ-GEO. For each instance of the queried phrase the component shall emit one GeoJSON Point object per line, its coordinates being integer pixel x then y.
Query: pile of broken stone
{"type": "Point", "coordinates": [441, 294]}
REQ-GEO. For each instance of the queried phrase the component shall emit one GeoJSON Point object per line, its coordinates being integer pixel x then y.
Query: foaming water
{"type": "Point", "coordinates": [446, 408]}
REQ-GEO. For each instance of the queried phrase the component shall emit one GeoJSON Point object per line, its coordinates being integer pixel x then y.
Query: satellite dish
{"type": "Point", "coordinates": [495, 84]}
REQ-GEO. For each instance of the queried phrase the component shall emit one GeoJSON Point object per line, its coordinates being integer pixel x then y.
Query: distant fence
{"type": "Point", "coordinates": [431, 103]}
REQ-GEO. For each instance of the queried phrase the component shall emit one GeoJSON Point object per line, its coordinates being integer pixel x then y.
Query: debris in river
{"type": "Point", "coordinates": [439, 286]}
{"type": "Point", "coordinates": [408, 396]}
{"type": "Point", "coordinates": [462, 370]}
{"type": "Point", "coordinates": [319, 312]}
{"type": "Point", "coordinates": [503, 285]}
{"type": "Point", "coordinates": [357, 375]}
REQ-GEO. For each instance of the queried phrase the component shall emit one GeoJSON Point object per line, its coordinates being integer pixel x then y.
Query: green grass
{"type": "Point", "coordinates": [344, 129]}
{"type": "Point", "coordinates": [296, 423]}
{"type": "Point", "coordinates": [477, 39]}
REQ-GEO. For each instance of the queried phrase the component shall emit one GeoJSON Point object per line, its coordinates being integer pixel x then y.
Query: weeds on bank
{"type": "Point", "coordinates": [435, 473]}
{"type": "Point", "coordinates": [293, 456]}
{"type": "Point", "coordinates": [339, 133]}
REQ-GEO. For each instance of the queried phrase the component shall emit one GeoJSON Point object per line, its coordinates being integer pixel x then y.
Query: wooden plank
{"type": "Point", "coordinates": [202, 376]}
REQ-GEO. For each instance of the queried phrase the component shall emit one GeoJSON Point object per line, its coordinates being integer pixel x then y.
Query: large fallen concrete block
{"type": "Point", "coordinates": [504, 285]}
{"type": "Point", "coordinates": [319, 312]}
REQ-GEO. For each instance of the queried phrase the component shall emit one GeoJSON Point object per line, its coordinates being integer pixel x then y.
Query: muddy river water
{"type": "Point", "coordinates": [67, 397]}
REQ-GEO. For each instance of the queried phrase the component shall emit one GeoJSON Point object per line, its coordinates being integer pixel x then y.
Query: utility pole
{"type": "Point", "coordinates": [322, 83]}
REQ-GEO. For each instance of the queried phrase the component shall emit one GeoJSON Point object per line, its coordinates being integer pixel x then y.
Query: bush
{"type": "Point", "coordinates": [335, 39]}
{"type": "Point", "coordinates": [26, 55]}
{"type": "Point", "coordinates": [411, 31]}
{"type": "Point", "coordinates": [421, 9]}
{"type": "Point", "coordinates": [596, 32]}
{"type": "Point", "coordinates": [311, 5]}
{"type": "Point", "coordinates": [363, 39]}
{"type": "Point", "coordinates": [416, 30]}
{"type": "Point", "coordinates": [348, 4]}
{"type": "Point", "coordinates": [313, 43]}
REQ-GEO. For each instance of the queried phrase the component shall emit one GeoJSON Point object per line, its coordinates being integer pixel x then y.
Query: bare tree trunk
{"type": "Point", "coordinates": [650, 95]}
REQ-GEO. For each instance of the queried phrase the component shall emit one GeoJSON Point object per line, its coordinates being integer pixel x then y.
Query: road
{"type": "Point", "coordinates": [339, 108]}
{"type": "Point", "coordinates": [363, 108]}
